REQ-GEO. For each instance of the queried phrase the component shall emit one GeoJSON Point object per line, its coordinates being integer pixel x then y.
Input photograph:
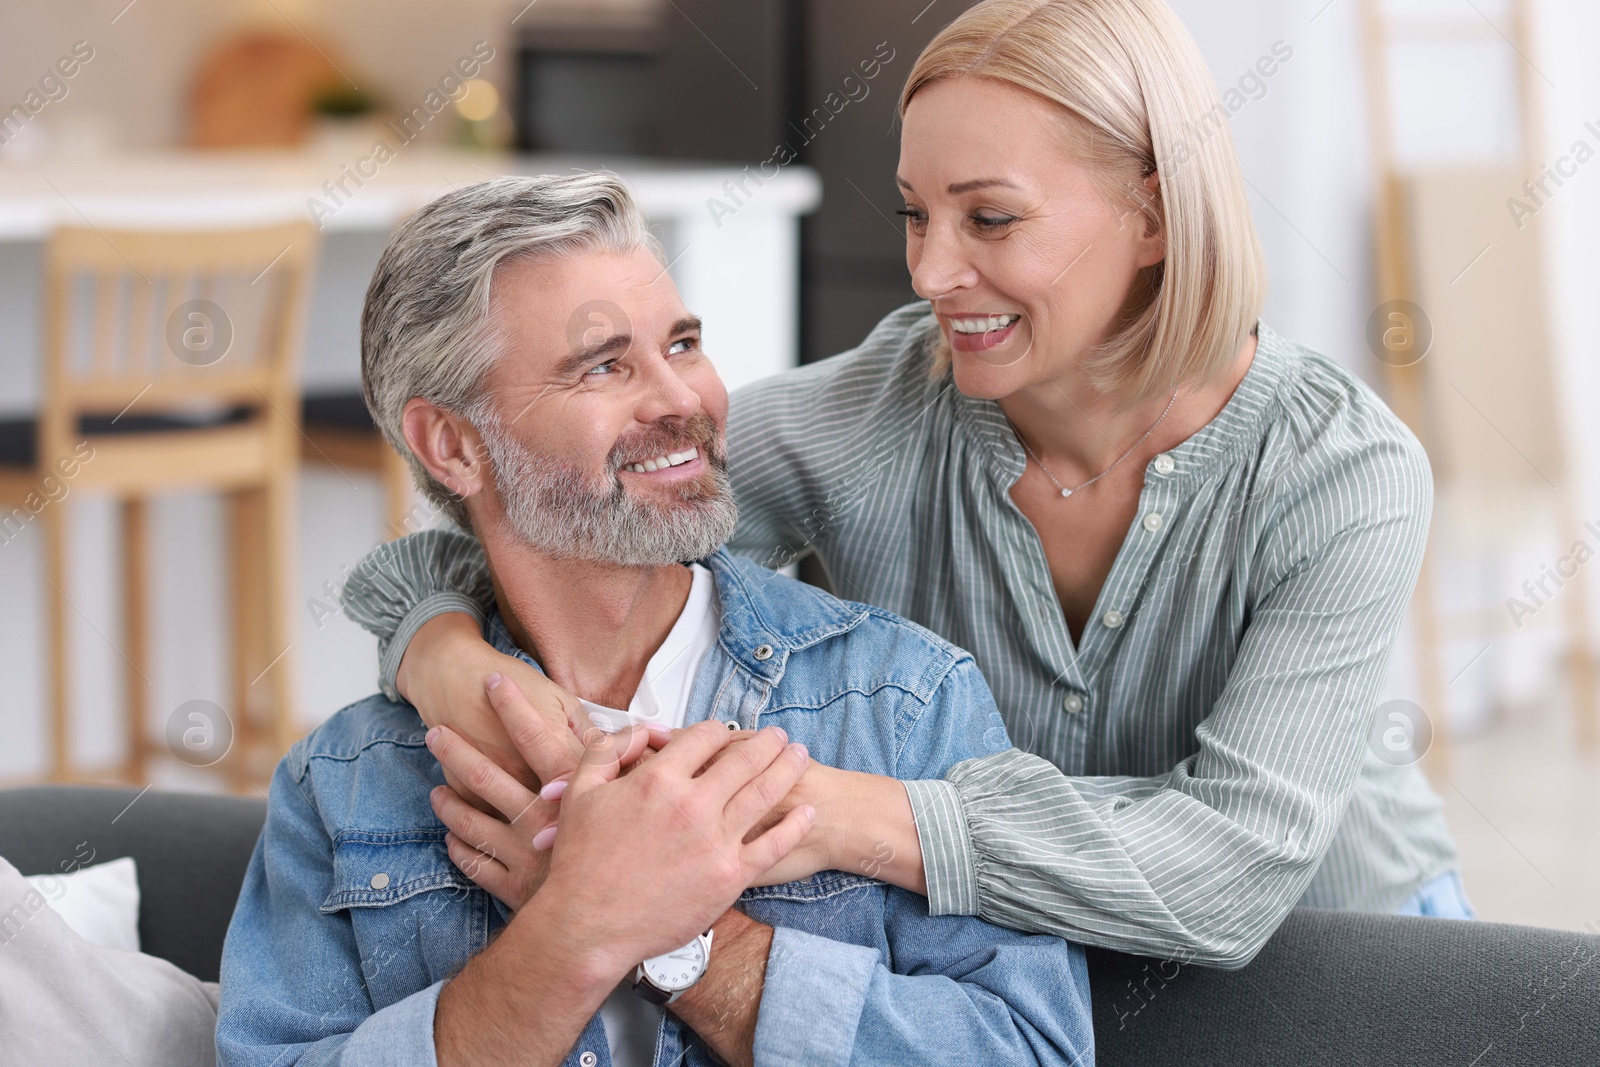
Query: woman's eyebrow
{"type": "Point", "coordinates": [957, 188]}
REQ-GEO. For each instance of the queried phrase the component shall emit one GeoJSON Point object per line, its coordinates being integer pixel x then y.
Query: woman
{"type": "Point", "coordinates": [1178, 545]}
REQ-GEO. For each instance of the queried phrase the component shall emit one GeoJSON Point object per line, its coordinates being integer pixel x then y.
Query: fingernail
{"type": "Point", "coordinates": [782, 732]}
{"type": "Point", "coordinates": [800, 750]}
{"type": "Point", "coordinates": [493, 680]}
{"type": "Point", "coordinates": [660, 728]}
{"type": "Point", "coordinates": [544, 838]}
{"type": "Point", "coordinates": [809, 812]}
{"type": "Point", "coordinates": [433, 735]}
{"type": "Point", "coordinates": [554, 790]}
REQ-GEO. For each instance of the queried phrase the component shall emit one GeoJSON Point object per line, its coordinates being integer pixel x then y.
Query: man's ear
{"type": "Point", "coordinates": [447, 445]}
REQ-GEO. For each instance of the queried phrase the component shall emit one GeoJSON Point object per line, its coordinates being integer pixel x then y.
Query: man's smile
{"type": "Point", "coordinates": [672, 466]}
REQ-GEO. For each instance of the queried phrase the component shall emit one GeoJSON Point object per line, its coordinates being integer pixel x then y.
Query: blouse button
{"type": "Point", "coordinates": [1073, 703]}
{"type": "Point", "coordinates": [1164, 464]}
{"type": "Point", "coordinates": [379, 881]}
{"type": "Point", "coordinates": [1152, 521]}
{"type": "Point", "coordinates": [588, 1059]}
{"type": "Point", "coordinates": [1112, 619]}
{"type": "Point", "coordinates": [763, 652]}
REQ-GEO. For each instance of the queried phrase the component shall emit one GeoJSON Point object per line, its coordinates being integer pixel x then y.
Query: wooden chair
{"type": "Point", "coordinates": [338, 432]}
{"type": "Point", "coordinates": [170, 363]}
{"type": "Point", "coordinates": [1483, 399]}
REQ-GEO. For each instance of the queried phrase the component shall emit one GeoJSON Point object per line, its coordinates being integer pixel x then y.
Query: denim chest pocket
{"type": "Point", "coordinates": [415, 916]}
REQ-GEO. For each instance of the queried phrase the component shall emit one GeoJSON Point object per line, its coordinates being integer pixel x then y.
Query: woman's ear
{"type": "Point", "coordinates": [447, 445]}
{"type": "Point", "coordinates": [1154, 243]}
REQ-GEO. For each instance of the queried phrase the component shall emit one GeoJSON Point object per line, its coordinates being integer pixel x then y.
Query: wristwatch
{"type": "Point", "coordinates": [663, 979]}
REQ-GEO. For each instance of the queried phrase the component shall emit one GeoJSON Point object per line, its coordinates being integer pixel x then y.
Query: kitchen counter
{"type": "Point", "coordinates": [734, 252]}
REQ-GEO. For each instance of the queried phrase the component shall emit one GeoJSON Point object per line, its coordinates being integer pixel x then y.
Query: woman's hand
{"type": "Point", "coordinates": [504, 847]}
{"type": "Point", "coordinates": [863, 825]}
{"type": "Point", "coordinates": [442, 674]}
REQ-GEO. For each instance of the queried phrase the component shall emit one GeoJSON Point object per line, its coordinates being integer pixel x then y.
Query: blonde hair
{"type": "Point", "coordinates": [1136, 97]}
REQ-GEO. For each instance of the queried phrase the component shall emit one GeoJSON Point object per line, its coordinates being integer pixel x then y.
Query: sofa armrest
{"type": "Point", "coordinates": [1345, 988]}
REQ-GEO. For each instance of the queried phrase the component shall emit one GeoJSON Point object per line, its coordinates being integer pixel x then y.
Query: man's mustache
{"type": "Point", "coordinates": [697, 431]}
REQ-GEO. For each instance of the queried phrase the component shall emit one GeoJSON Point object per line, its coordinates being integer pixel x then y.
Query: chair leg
{"type": "Point", "coordinates": [1430, 666]}
{"type": "Point", "coordinates": [1580, 647]}
{"type": "Point", "coordinates": [53, 520]}
{"type": "Point", "coordinates": [278, 580]}
{"type": "Point", "coordinates": [136, 645]}
{"type": "Point", "coordinates": [246, 514]}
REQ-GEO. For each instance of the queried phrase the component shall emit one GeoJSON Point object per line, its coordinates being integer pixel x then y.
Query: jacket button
{"type": "Point", "coordinates": [588, 1059]}
{"type": "Point", "coordinates": [379, 881]}
{"type": "Point", "coordinates": [763, 652]}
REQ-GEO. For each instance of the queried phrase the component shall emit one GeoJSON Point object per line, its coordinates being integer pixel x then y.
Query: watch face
{"type": "Point", "coordinates": [678, 969]}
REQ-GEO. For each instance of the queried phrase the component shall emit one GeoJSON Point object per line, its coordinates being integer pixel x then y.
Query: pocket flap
{"type": "Point", "coordinates": [373, 869]}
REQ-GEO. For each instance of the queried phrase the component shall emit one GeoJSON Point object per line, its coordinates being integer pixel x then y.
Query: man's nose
{"type": "Point", "coordinates": [666, 393]}
{"type": "Point", "coordinates": [942, 266]}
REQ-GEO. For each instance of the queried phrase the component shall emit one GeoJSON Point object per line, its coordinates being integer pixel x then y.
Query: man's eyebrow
{"type": "Point", "coordinates": [965, 187]}
{"type": "Point", "coordinates": [615, 344]}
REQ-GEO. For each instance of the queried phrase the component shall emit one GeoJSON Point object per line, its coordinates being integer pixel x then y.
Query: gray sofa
{"type": "Point", "coordinates": [1330, 988]}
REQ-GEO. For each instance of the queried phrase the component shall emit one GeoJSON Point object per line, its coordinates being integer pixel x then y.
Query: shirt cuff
{"type": "Point", "coordinates": [812, 1000]}
{"type": "Point", "coordinates": [428, 608]}
{"type": "Point", "coordinates": [400, 1035]}
{"type": "Point", "coordinates": [948, 861]}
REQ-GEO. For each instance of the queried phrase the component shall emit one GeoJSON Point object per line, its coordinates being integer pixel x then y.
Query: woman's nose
{"type": "Point", "coordinates": [940, 267]}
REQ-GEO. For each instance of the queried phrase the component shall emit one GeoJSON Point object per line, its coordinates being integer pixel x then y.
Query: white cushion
{"type": "Point", "coordinates": [100, 904]}
{"type": "Point", "coordinates": [65, 1002]}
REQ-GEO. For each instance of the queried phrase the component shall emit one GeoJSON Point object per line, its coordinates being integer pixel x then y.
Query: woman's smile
{"type": "Point", "coordinates": [979, 333]}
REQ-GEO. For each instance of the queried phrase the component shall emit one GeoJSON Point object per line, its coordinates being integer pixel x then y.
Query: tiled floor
{"type": "Point", "coordinates": [1524, 802]}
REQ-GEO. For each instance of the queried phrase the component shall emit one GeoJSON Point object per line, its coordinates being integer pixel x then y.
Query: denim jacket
{"type": "Point", "coordinates": [352, 915]}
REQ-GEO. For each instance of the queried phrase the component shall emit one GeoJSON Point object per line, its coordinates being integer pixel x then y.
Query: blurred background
{"type": "Point", "coordinates": [193, 196]}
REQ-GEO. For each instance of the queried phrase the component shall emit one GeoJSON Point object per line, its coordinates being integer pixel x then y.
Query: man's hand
{"type": "Point", "coordinates": [662, 832]}
{"type": "Point", "coordinates": [666, 831]}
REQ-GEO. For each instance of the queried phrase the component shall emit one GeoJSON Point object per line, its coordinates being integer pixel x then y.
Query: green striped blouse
{"type": "Point", "coordinates": [1199, 764]}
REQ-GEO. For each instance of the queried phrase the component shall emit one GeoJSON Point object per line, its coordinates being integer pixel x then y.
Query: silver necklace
{"type": "Point", "coordinates": [1065, 492]}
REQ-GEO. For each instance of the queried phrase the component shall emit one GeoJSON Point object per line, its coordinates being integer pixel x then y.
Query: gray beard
{"type": "Point", "coordinates": [561, 512]}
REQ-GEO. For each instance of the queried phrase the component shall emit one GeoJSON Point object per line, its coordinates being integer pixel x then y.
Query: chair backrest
{"type": "Point", "coordinates": [171, 322]}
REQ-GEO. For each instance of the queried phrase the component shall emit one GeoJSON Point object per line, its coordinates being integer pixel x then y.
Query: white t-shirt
{"type": "Point", "coordinates": [663, 696]}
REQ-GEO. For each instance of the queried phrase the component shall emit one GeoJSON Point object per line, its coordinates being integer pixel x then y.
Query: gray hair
{"type": "Point", "coordinates": [425, 327]}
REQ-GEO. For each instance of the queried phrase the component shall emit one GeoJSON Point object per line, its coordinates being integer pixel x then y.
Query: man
{"type": "Point", "coordinates": [524, 346]}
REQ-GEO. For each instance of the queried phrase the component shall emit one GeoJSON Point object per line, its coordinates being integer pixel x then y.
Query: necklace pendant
{"type": "Point", "coordinates": [1066, 492]}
